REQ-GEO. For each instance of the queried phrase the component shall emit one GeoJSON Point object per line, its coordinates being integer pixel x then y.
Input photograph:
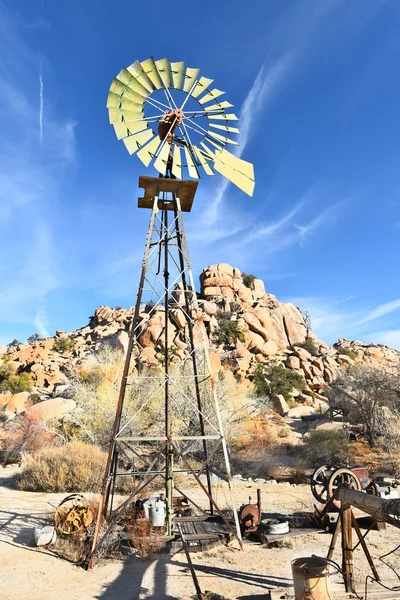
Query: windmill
{"type": "Point", "coordinates": [168, 417]}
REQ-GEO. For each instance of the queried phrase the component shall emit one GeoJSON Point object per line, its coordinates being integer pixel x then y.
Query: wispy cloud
{"type": "Point", "coordinates": [389, 338]}
{"type": "Point", "coordinates": [41, 105]}
{"type": "Point", "coordinates": [381, 311]}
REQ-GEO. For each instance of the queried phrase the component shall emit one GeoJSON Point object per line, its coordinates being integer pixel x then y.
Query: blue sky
{"type": "Point", "coordinates": [316, 85]}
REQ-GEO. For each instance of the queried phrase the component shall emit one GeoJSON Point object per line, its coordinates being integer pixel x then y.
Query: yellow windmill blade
{"type": "Point", "coordinates": [123, 130]}
{"type": "Point", "coordinates": [147, 152]}
{"type": "Point", "coordinates": [241, 181]}
{"type": "Point", "coordinates": [122, 102]}
{"type": "Point", "coordinates": [222, 138]}
{"type": "Point", "coordinates": [236, 163]}
{"type": "Point", "coordinates": [211, 96]}
{"type": "Point", "coordinates": [190, 165]}
{"type": "Point", "coordinates": [141, 77]}
{"type": "Point", "coordinates": [225, 128]}
{"type": "Point", "coordinates": [201, 86]}
{"type": "Point", "coordinates": [134, 142]}
{"type": "Point", "coordinates": [219, 105]}
{"type": "Point", "coordinates": [177, 163]}
{"type": "Point", "coordinates": [208, 152]}
{"type": "Point", "coordinates": [177, 69]}
{"type": "Point", "coordinates": [224, 117]}
{"type": "Point", "coordinates": [161, 162]}
{"type": "Point", "coordinates": [116, 115]}
{"type": "Point", "coordinates": [149, 67]}
{"type": "Point", "coordinates": [190, 76]}
{"type": "Point", "coordinates": [164, 71]}
{"type": "Point", "coordinates": [203, 161]}
{"type": "Point", "coordinates": [122, 90]}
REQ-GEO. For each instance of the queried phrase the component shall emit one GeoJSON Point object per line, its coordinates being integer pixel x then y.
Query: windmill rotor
{"type": "Point", "coordinates": [173, 119]}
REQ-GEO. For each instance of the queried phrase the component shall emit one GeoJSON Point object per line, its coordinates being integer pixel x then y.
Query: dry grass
{"type": "Point", "coordinates": [75, 467]}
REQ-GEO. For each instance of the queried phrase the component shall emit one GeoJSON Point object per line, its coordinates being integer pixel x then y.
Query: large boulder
{"type": "Point", "coordinates": [19, 403]}
{"type": "Point", "coordinates": [55, 408]}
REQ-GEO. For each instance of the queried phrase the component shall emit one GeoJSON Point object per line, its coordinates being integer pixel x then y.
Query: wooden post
{"type": "Point", "coordinates": [347, 546]}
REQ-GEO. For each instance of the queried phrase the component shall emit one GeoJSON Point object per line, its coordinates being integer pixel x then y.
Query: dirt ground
{"type": "Point", "coordinates": [29, 572]}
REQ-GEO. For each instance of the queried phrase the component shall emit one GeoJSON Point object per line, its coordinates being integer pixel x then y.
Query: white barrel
{"type": "Point", "coordinates": [157, 513]}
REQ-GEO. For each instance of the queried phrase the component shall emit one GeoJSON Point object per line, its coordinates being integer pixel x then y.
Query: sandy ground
{"type": "Point", "coordinates": [27, 572]}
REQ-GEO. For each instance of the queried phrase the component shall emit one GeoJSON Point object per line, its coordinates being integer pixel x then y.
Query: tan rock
{"type": "Point", "coordinates": [210, 308]}
{"type": "Point", "coordinates": [255, 325]}
{"type": "Point", "coordinates": [227, 292]}
{"type": "Point", "coordinates": [293, 362]}
{"type": "Point", "coordinates": [212, 292]}
{"type": "Point", "coordinates": [343, 358]}
{"type": "Point", "coordinates": [55, 408]}
{"type": "Point", "coordinates": [148, 356]}
{"type": "Point", "coordinates": [122, 342]}
{"type": "Point", "coordinates": [329, 375]}
{"type": "Point", "coordinates": [280, 405]}
{"type": "Point", "coordinates": [307, 370]}
{"type": "Point", "coordinates": [270, 348]}
{"type": "Point", "coordinates": [221, 281]}
{"type": "Point", "coordinates": [317, 362]}
{"type": "Point", "coordinates": [300, 411]}
{"type": "Point", "coordinates": [19, 402]}
{"type": "Point", "coordinates": [225, 269]}
{"type": "Point", "coordinates": [258, 290]}
{"type": "Point", "coordinates": [245, 294]}
{"type": "Point", "coordinates": [256, 342]}
{"type": "Point", "coordinates": [104, 314]}
{"type": "Point", "coordinates": [375, 353]}
{"type": "Point", "coordinates": [178, 316]}
{"type": "Point", "coordinates": [5, 398]}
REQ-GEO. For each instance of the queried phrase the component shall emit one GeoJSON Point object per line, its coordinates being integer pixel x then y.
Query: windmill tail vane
{"type": "Point", "coordinates": [172, 119]}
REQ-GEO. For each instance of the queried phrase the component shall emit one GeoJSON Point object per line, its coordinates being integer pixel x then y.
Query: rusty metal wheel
{"type": "Point", "coordinates": [73, 515]}
{"type": "Point", "coordinates": [319, 483]}
{"type": "Point", "coordinates": [343, 477]}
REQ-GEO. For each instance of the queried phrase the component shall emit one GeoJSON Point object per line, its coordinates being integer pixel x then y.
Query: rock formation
{"type": "Point", "coordinates": [269, 330]}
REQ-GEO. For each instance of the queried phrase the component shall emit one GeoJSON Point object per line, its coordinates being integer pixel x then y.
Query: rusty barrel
{"type": "Point", "coordinates": [311, 578]}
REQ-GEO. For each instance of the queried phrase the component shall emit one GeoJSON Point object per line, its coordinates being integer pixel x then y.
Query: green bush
{"type": "Point", "coordinates": [325, 448]}
{"type": "Point", "coordinates": [272, 379]}
{"type": "Point", "coordinates": [248, 279]}
{"type": "Point", "coordinates": [229, 331]}
{"type": "Point", "coordinates": [33, 338]}
{"type": "Point", "coordinates": [64, 344]}
{"type": "Point", "coordinates": [347, 351]}
{"type": "Point", "coordinates": [75, 467]}
{"type": "Point", "coordinates": [310, 346]}
{"type": "Point", "coordinates": [14, 382]}
{"type": "Point", "coordinates": [13, 343]}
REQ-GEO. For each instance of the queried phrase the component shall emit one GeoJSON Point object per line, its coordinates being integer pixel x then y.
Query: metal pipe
{"type": "Point", "coordinates": [378, 508]}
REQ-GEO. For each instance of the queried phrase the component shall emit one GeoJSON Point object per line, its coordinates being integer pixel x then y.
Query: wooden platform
{"type": "Point", "coordinates": [184, 189]}
{"type": "Point", "coordinates": [375, 591]}
{"type": "Point", "coordinates": [201, 533]}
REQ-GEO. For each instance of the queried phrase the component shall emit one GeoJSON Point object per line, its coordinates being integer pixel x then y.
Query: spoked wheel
{"type": "Point", "coordinates": [319, 483]}
{"type": "Point", "coordinates": [343, 478]}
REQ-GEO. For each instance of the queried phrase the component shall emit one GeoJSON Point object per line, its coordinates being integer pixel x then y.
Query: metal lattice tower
{"type": "Point", "coordinates": [182, 431]}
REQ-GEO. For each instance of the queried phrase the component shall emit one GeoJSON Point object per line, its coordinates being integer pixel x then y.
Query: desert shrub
{"type": "Point", "coordinates": [14, 343]}
{"type": "Point", "coordinates": [347, 351]}
{"type": "Point", "coordinates": [14, 382]}
{"type": "Point", "coordinates": [268, 467]}
{"type": "Point", "coordinates": [75, 467]}
{"type": "Point", "coordinates": [325, 447]}
{"type": "Point", "coordinates": [229, 331]}
{"type": "Point", "coordinates": [310, 346]}
{"type": "Point", "coordinates": [248, 279]}
{"type": "Point", "coordinates": [33, 338]}
{"type": "Point", "coordinates": [272, 379]}
{"type": "Point", "coordinates": [298, 473]}
{"type": "Point", "coordinates": [64, 344]}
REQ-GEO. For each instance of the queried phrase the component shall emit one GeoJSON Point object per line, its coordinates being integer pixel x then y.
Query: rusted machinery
{"type": "Point", "coordinates": [73, 515]}
{"type": "Point", "coordinates": [250, 515]}
{"type": "Point", "coordinates": [325, 480]}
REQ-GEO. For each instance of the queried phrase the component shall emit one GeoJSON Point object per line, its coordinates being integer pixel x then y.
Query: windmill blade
{"type": "Point", "coordinates": [149, 67]}
{"type": "Point", "coordinates": [162, 158]}
{"type": "Point", "coordinates": [225, 128]}
{"type": "Point", "coordinates": [224, 117]}
{"type": "Point", "coordinates": [189, 78]}
{"type": "Point", "coordinates": [203, 162]}
{"type": "Point", "coordinates": [211, 95]}
{"type": "Point", "coordinates": [236, 163]}
{"type": "Point", "coordinates": [134, 86]}
{"type": "Point", "coordinates": [123, 130]}
{"type": "Point", "coordinates": [116, 115]}
{"type": "Point", "coordinates": [140, 76]}
{"type": "Point", "coordinates": [219, 105]}
{"type": "Point", "coordinates": [177, 74]}
{"type": "Point", "coordinates": [136, 141]}
{"type": "Point", "coordinates": [177, 163]}
{"type": "Point", "coordinates": [240, 180]}
{"type": "Point", "coordinates": [147, 152]}
{"type": "Point", "coordinates": [116, 101]}
{"type": "Point", "coordinates": [201, 86]}
{"type": "Point", "coordinates": [222, 138]}
{"type": "Point", "coordinates": [119, 88]}
{"type": "Point", "coordinates": [190, 165]}
{"type": "Point", "coordinates": [210, 154]}
{"type": "Point", "coordinates": [164, 70]}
